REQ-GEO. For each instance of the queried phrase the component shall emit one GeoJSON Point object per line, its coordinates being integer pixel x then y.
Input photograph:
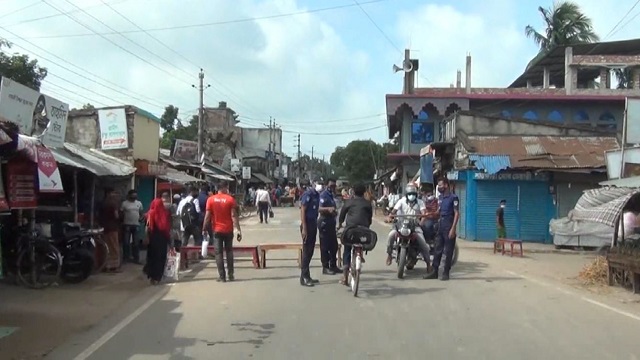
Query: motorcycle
{"type": "Point", "coordinates": [77, 247]}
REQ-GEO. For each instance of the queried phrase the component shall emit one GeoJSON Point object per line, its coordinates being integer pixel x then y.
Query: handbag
{"type": "Point", "coordinates": [271, 213]}
{"type": "Point", "coordinates": [172, 266]}
{"type": "Point", "coordinates": [204, 251]}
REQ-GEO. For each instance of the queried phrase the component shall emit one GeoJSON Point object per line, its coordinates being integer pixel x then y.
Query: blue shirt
{"type": "Point", "coordinates": [202, 200]}
{"type": "Point", "coordinates": [448, 204]}
{"type": "Point", "coordinates": [327, 200]}
{"type": "Point", "coordinates": [311, 201]}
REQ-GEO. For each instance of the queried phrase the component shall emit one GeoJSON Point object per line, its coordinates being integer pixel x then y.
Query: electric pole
{"type": "Point", "coordinates": [271, 151]}
{"type": "Point", "coordinates": [201, 88]}
{"type": "Point", "coordinates": [299, 165]}
{"type": "Point", "coordinates": [311, 166]}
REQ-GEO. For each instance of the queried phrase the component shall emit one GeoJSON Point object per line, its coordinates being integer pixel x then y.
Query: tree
{"type": "Point", "coordinates": [169, 118]}
{"type": "Point", "coordinates": [625, 78]}
{"type": "Point", "coordinates": [565, 24]}
{"type": "Point", "coordinates": [189, 132]}
{"type": "Point", "coordinates": [318, 167]}
{"type": "Point", "coordinates": [88, 106]}
{"type": "Point", "coordinates": [360, 159]}
{"type": "Point", "coordinates": [20, 68]}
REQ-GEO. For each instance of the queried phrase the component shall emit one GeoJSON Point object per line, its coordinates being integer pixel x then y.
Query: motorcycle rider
{"type": "Point", "coordinates": [409, 205]}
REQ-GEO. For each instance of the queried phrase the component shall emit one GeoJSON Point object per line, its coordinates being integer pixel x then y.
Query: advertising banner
{"type": "Point", "coordinates": [246, 172]}
{"type": "Point", "coordinates": [49, 180]}
{"type": "Point", "coordinates": [185, 150]}
{"type": "Point", "coordinates": [51, 122]}
{"type": "Point", "coordinates": [4, 205]}
{"type": "Point", "coordinates": [21, 187]}
{"type": "Point", "coordinates": [113, 129]}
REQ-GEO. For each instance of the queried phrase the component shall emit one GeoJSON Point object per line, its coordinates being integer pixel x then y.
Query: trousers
{"type": "Point", "coordinates": [224, 241]}
{"type": "Point", "coordinates": [444, 245]}
{"type": "Point", "coordinates": [328, 243]}
{"type": "Point", "coordinates": [422, 243]}
{"type": "Point", "coordinates": [308, 247]}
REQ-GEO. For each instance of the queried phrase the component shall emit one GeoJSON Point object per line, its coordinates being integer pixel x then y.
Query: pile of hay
{"type": "Point", "coordinates": [595, 273]}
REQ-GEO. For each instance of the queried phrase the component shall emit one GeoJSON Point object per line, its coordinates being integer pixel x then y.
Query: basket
{"type": "Point", "coordinates": [360, 236]}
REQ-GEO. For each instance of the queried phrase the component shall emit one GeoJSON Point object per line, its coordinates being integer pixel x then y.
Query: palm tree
{"type": "Point", "coordinates": [625, 79]}
{"type": "Point", "coordinates": [565, 25]}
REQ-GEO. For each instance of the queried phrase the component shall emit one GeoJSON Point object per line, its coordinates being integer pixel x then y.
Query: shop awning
{"type": "Point", "coordinates": [261, 178]}
{"type": "Point", "coordinates": [94, 161]}
{"type": "Point", "coordinates": [179, 177]}
{"type": "Point", "coordinates": [216, 175]}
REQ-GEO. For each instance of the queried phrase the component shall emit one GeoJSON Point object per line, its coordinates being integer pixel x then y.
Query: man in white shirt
{"type": "Point", "coordinates": [409, 205]}
{"type": "Point", "coordinates": [263, 203]}
{"type": "Point", "coordinates": [131, 210]}
{"type": "Point", "coordinates": [189, 213]}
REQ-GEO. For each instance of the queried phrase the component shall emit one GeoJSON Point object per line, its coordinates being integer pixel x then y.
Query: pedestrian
{"type": "Point", "coordinates": [202, 201]}
{"type": "Point", "coordinates": [446, 237]}
{"type": "Point", "coordinates": [357, 212]}
{"type": "Point", "coordinates": [132, 215]}
{"type": "Point", "coordinates": [309, 209]}
{"type": "Point", "coordinates": [501, 229]}
{"type": "Point", "coordinates": [189, 211]}
{"type": "Point", "coordinates": [109, 217]}
{"type": "Point", "coordinates": [158, 240]}
{"type": "Point", "coordinates": [263, 203]}
{"type": "Point", "coordinates": [222, 214]}
{"type": "Point", "coordinates": [327, 230]}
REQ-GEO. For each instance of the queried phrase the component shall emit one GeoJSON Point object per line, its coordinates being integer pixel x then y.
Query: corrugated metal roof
{"type": "Point", "coordinates": [179, 177]}
{"type": "Point", "coordinates": [552, 152]}
{"type": "Point", "coordinates": [630, 182]}
{"type": "Point", "coordinates": [92, 160]}
{"type": "Point", "coordinates": [492, 164]}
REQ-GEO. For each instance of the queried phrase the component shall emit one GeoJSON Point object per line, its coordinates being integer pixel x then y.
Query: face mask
{"type": "Point", "coordinates": [503, 206]}
{"type": "Point", "coordinates": [411, 197]}
{"type": "Point", "coordinates": [318, 187]}
{"type": "Point", "coordinates": [430, 197]}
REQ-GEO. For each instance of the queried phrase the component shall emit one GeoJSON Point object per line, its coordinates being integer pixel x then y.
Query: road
{"type": "Point", "coordinates": [486, 311]}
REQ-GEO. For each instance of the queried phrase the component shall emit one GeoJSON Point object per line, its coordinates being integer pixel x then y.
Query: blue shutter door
{"type": "Point", "coordinates": [488, 200]}
{"type": "Point", "coordinates": [461, 191]}
{"type": "Point", "coordinates": [534, 211]}
{"type": "Point", "coordinates": [568, 195]}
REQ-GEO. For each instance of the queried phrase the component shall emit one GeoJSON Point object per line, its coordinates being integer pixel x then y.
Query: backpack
{"type": "Point", "coordinates": [189, 215]}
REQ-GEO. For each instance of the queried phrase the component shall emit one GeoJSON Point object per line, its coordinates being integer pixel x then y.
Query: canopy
{"type": "Point", "coordinates": [603, 205]}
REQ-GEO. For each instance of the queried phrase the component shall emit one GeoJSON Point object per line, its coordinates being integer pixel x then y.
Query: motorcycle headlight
{"type": "Point", "coordinates": [405, 232]}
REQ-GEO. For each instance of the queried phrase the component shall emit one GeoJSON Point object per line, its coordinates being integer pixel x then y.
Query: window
{"type": "Point", "coordinates": [421, 132]}
{"type": "Point", "coordinates": [507, 114]}
{"type": "Point", "coordinates": [423, 115]}
{"type": "Point", "coordinates": [607, 121]}
{"type": "Point", "coordinates": [555, 116]}
{"type": "Point", "coordinates": [530, 115]}
{"type": "Point", "coordinates": [581, 117]}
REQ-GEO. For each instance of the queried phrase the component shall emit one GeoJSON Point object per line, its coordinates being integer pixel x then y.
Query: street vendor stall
{"type": "Point", "coordinates": [175, 181]}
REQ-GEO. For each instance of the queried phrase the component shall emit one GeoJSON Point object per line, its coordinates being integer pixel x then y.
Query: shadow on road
{"type": "Point", "coordinates": [259, 333]}
{"type": "Point", "coordinates": [384, 291]}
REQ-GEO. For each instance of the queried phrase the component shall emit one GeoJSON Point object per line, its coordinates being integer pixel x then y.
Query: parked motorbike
{"type": "Point", "coordinates": [413, 254]}
{"type": "Point", "coordinates": [77, 247]}
{"type": "Point", "coordinates": [405, 245]}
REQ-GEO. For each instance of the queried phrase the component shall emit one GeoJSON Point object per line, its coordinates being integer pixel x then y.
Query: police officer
{"type": "Point", "coordinates": [446, 237]}
{"type": "Point", "coordinates": [309, 209]}
{"type": "Point", "coordinates": [327, 229]}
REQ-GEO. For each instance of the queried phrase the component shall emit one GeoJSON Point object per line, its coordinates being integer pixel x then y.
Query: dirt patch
{"type": "Point", "coordinates": [47, 318]}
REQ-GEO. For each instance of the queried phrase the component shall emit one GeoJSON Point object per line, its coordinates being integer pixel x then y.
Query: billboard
{"type": "Point", "coordinates": [113, 129]}
{"type": "Point", "coordinates": [185, 150]}
{"type": "Point", "coordinates": [35, 114]}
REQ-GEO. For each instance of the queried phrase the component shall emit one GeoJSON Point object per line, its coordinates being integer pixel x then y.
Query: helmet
{"type": "Point", "coordinates": [411, 191]}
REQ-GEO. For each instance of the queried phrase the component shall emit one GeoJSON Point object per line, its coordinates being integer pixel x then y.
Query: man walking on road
{"type": "Point", "coordinates": [502, 230]}
{"type": "Point", "coordinates": [222, 214]}
{"type": "Point", "coordinates": [263, 203]}
{"type": "Point", "coordinates": [446, 237]}
{"type": "Point", "coordinates": [309, 208]}
{"type": "Point", "coordinates": [189, 212]}
{"type": "Point", "coordinates": [327, 228]}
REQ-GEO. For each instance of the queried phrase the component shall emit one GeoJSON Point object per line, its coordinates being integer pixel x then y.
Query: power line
{"type": "Point", "coordinates": [59, 14]}
{"type": "Point", "coordinates": [20, 9]}
{"type": "Point", "coordinates": [611, 32]}
{"type": "Point", "coordinates": [320, 121]}
{"type": "Point", "coordinates": [335, 133]}
{"type": "Point", "coordinates": [236, 21]}
{"type": "Point", "coordinates": [377, 27]}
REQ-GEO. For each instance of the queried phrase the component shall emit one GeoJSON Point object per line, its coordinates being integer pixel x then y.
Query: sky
{"type": "Point", "coordinates": [320, 68]}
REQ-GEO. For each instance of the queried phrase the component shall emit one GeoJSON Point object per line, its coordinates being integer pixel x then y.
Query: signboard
{"type": "Point", "coordinates": [21, 185]}
{"type": "Point", "coordinates": [235, 165]}
{"type": "Point", "coordinates": [185, 150]}
{"type": "Point", "coordinates": [49, 180]}
{"type": "Point", "coordinates": [113, 129]}
{"type": "Point", "coordinates": [521, 176]}
{"type": "Point", "coordinates": [613, 159]}
{"type": "Point", "coordinates": [35, 114]}
{"type": "Point", "coordinates": [246, 172]}
{"type": "Point", "coordinates": [633, 120]}
{"type": "Point", "coordinates": [285, 170]}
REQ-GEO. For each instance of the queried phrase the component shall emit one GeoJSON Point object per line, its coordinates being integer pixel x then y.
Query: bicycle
{"type": "Point", "coordinates": [100, 247]}
{"type": "Point", "coordinates": [360, 243]}
{"type": "Point", "coordinates": [37, 257]}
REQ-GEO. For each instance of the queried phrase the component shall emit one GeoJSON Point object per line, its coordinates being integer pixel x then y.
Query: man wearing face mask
{"type": "Point", "coordinates": [327, 229]}
{"type": "Point", "coordinates": [409, 205]}
{"type": "Point", "coordinates": [502, 230]}
{"type": "Point", "coordinates": [446, 236]}
{"type": "Point", "coordinates": [309, 210]}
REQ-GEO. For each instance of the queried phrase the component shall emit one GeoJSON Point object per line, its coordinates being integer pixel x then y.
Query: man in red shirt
{"type": "Point", "coordinates": [222, 212]}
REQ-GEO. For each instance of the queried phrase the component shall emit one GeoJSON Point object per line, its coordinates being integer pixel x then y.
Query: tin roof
{"type": "Point", "coordinates": [540, 152]}
{"type": "Point", "coordinates": [94, 161]}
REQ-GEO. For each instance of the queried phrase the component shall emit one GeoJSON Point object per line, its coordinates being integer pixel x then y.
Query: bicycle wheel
{"type": "Point", "coordinates": [356, 276]}
{"type": "Point", "coordinates": [101, 254]}
{"type": "Point", "coordinates": [39, 266]}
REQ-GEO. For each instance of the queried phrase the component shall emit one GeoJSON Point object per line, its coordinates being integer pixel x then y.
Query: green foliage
{"type": "Point", "coordinates": [169, 118]}
{"type": "Point", "coordinates": [20, 68]}
{"type": "Point", "coordinates": [189, 132]}
{"type": "Point", "coordinates": [359, 160]}
{"type": "Point", "coordinates": [565, 24]}
{"type": "Point", "coordinates": [319, 167]}
{"type": "Point", "coordinates": [88, 106]}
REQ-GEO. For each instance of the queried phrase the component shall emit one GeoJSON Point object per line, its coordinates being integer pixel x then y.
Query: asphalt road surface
{"type": "Point", "coordinates": [485, 311]}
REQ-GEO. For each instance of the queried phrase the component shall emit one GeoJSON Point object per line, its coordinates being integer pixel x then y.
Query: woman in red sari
{"type": "Point", "coordinates": [159, 239]}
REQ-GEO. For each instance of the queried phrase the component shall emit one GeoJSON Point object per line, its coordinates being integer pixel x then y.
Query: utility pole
{"type": "Point", "coordinates": [270, 154]}
{"type": "Point", "coordinates": [299, 165]}
{"type": "Point", "coordinates": [311, 165]}
{"type": "Point", "coordinates": [201, 88]}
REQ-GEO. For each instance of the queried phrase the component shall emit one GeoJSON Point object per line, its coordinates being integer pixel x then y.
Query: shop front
{"type": "Point", "coordinates": [529, 204]}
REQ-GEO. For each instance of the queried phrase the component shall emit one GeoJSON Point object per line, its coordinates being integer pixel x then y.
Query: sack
{"type": "Point", "coordinates": [360, 235]}
{"type": "Point", "coordinates": [189, 215]}
{"type": "Point", "coordinates": [271, 213]}
{"type": "Point", "coordinates": [205, 244]}
{"type": "Point", "coordinates": [172, 267]}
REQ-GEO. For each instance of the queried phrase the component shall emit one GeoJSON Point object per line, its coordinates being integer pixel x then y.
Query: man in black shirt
{"type": "Point", "coordinates": [358, 212]}
{"type": "Point", "coordinates": [502, 231]}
